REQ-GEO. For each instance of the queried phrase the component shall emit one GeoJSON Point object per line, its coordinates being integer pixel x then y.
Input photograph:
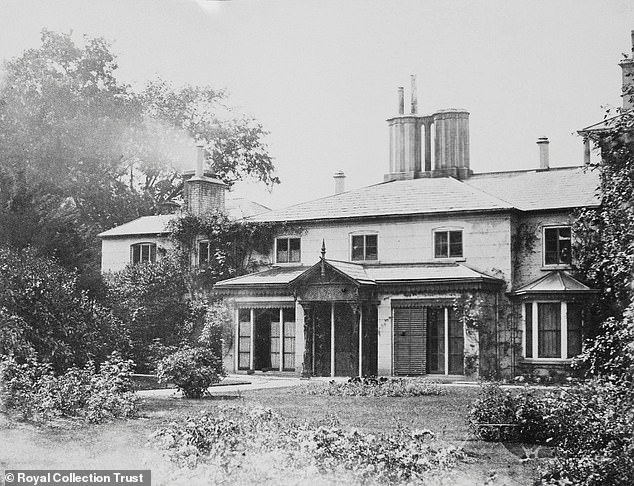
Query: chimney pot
{"type": "Point", "coordinates": [340, 180]}
{"type": "Point", "coordinates": [401, 100]}
{"type": "Point", "coordinates": [414, 95]}
{"type": "Point", "coordinates": [543, 142]}
{"type": "Point", "coordinates": [200, 161]}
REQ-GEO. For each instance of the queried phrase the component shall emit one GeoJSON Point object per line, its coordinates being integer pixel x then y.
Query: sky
{"type": "Point", "coordinates": [322, 76]}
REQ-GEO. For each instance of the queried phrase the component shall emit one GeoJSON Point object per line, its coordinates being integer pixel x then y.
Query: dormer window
{"type": "Point", "coordinates": [365, 247]}
{"type": "Point", "coordinates": [557, 245]}
{"type": "Point", "coordinates": [288, 250]}
{"type": "Point", "coordinates": [448, 244]}
{"type": "Point", "coordinates": [143, 253]}
{"type": "Point", "coordinates": [203, 253]}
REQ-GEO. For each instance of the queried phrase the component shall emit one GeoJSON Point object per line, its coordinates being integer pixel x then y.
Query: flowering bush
{"type": "Point", "coordinates": [228, 438]}
{"type": "Point", "coordinates": [32, 390]}
{"type": "Point", "coordinates": [192, 370]}
{"type": "Point", "coordinates": [376, 387]}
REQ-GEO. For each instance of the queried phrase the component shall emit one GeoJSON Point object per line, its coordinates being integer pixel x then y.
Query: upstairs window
{"type": "Point", "coordinates": [365, 247]}
{"type": "Point", "coordinates": [203, 253]}
{"type": "Point", "coordinates": [288, 250]}
{"type": "Point", "coordinates": [557, 246]}
{"type": "Point", "coordinates": [143, 253]}
{"type": "Point", "coordinates": [448, 244]}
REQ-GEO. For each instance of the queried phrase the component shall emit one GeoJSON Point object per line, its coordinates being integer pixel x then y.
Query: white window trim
{"type": "Point", "coordinates": [198, 251]}
{"type": "Point", "coordinates": [555, 266]}
{"type": "Point", "coordinates": [535, 327]}
{"type": "Point", "coordinates": [363, 233]}
{"type": "Point", "coordinates": [447, 229]}
{"type": "Point", "coordinates": [141, 244]}
{"type": "Point", "coordinates": [287, 237]}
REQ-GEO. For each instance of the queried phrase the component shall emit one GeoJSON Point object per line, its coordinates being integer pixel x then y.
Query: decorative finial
{"type": "Point", "coordinates": [323, 258]}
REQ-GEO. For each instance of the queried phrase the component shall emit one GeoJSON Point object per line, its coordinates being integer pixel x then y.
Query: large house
{"type": "Point", "coordinates": [436, 270]}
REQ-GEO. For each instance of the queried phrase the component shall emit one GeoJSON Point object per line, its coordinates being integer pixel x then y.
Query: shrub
{"type": "Point", "coordinates": [192, 370]}
{"type": "Point", "coordinates": [43, 309]}
{"type": "Point", "coordinates": [32, 390]}
{"type": "Point", "coordinates": [228, 438]}
{"type": "Point", "coordinates": [376, 387]}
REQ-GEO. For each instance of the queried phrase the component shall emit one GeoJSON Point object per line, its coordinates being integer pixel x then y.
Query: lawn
{"type": "Point", "coordinates": [124, 444]}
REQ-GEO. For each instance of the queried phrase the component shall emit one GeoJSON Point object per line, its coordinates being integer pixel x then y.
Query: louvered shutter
{"type": "Point", "coordinates": [409, 340]}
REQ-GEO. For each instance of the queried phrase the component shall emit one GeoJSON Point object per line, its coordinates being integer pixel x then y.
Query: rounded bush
{"type": "Point", "coordinates": [192, 370]}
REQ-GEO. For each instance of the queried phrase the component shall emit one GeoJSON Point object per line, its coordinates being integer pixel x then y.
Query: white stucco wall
{"type": "Point", "coordinates": [115, 252]}
{"type": "Point", "coordinates": [486, 240]}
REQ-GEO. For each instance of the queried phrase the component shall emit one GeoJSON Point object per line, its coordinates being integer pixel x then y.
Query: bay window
{"type": "Point", "coordinates": [552, 330]}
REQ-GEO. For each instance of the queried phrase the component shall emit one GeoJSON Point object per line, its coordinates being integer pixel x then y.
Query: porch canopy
{"type": "Point", "coordinates": [340, 304]}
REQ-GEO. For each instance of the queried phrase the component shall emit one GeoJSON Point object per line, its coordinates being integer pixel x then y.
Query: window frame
{"type": "Point", "coordinates": [288, 239]}
{"type": "Point", "coordinates": [152, 249]}
{"type": "Point", "coordinates": [199, 263]}
{"type": "Point", "coordinates": [364, 235]}
{"type": "Point", "coordinates": [558, 264]}
{"type": "Point", "coordinates": [564, 348]}
{"type": "Point", "coordinates": [447, 231]}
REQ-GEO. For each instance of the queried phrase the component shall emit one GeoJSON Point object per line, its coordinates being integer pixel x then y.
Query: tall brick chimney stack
{"type": "Point", "coordinates": [203, 194]}
{"type": "Point", "coordinates": [627, 66]}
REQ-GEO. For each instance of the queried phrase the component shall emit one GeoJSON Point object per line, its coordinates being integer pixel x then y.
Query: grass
{"type": "Point", "coordinates": [123, 444]}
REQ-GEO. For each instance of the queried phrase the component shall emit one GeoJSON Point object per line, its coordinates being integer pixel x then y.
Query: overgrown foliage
{"type": "Point", "coordinates": [375, 387]}
{"type": "Point", "coordinates": [43, 311]}
{"type": "Point", "coordinates": [233, 244]}
{"type": "Point", "coordinates": [192, 370]}
{"type": "Point", "coordinates": [33, 391]}
{"type": "Point", "coordinates": [227, 440]}
{"type": "Point", "coordinates": [604, 249]}
{"type": "Point", "coordinates": [153, 302]}
{"type": "Point", "coordinates": [589, 426]}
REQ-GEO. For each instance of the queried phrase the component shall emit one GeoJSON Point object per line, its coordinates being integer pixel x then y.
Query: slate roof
{"type": "Point", "coordinates": [529, 190]}
{"type": "Point", "coordinates": [393, 198]}
{"type": "Point", "coordinates": [532, 190]}
{"type": "Point", "coordinates": [363, 274]}
{"type": "Point", "coordinates": [552, 283]}
{"type": "Point", "coordinates": [237, 208]}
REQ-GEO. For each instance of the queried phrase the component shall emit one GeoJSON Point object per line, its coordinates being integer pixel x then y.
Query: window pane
{"type": "Point", "coordinates": [145, 253]}
{"type": "Point", "coordinates": [295, 253]}
{"type": "Point", "coordinates": [574, 329]}
{"type": "Point", "coordinates": [441, 247]}
{"type": "Point", "coordinates": [136, 253]}
{"type": "Point", "coordinates": [371, 247]}
{"type": "Point", "coordinates": [528, 351]}
{"type": "Point", "coordinates": [153, 253]}
{"type": "Point", "coordinates": [550, 246]}
{"type": "Point", "coordinates": [564, 245]}
{"type": "Point", "coordinates": [357, 247]}
{"type": "Point", "coordinates": [549, 330]}
{"type": "Point", "coordinates": [455, 244]}
{"type": "Point", "coordinates": [282, 250]}
{"type": "Point", "coordinates": [203, 253]}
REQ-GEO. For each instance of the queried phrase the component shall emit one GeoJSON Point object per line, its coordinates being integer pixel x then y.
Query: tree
{"type": "Point", "coordinates": [81, 152]}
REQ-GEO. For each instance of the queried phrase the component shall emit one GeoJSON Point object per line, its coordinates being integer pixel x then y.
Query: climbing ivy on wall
{"type": "Point", "coordinates": [235, 245]}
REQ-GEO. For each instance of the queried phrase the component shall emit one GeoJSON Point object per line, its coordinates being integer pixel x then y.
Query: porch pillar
{"type": "Point", "coordinates": [361, 340]}
{"type": "Point", "coordinates": [446, 325]}
{"type": "Point", "coordinates": [281, 338]}
{"type": "Point", "coordinates": [308, 368]}
{"type": "Point", "coordinates": [252, 341]}
{"type": "Point", "coordinates": [332, 339]}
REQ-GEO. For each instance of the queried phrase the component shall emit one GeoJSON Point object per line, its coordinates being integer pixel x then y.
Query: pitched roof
{"type": "Point", "coordinates": [363, 274]}
{"type": "Point", "coordinates": [417, 196]}
{"type": "Point", "coordinates": [237, 208]}
{"type": "Point", "coordinates": [554, 188]}
{"type": "Point", "coordinates": [554, 282]}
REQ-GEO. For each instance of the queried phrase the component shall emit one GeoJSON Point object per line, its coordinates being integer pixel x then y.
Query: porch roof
{"type": "Point", "coordinates": [432, 272]}
{"type": "Point", "coordinates": [556, 282]}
